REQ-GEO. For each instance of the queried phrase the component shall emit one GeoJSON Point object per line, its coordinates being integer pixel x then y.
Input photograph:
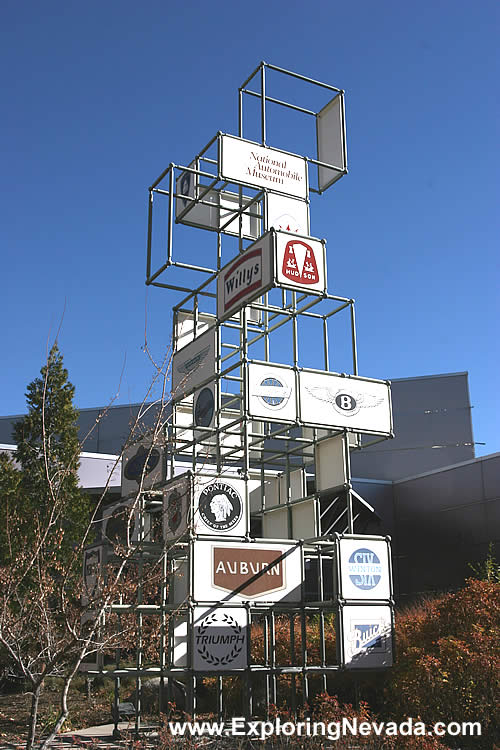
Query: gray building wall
{"type": "Point", "coordinates": [107, 434]}
{"type": "Point", "coordinates": [432, 425]}
{"type": "Point", "coordinates": [444, 521]}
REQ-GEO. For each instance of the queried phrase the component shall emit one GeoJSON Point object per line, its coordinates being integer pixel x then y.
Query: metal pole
{"type": "Point", "coordinates": [353, 335]}
{"type": "Point", "coordinates": [263, 102]}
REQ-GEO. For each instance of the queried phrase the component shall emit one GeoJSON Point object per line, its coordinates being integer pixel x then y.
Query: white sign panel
{"type": "Point", "coordinates": [300, 262]}
{"type": "Point", "coordinates": [330, 463]}
{"type": "Point", "coordinates": [92, 571]}
{"type": "Point", "coordinates": [217, 211]}
{"type": "Point", "coordinates": [331, 141]}
{"type": "Point", "coordinates": [243, 571]}
{"type": "Point", "coordinates": [364, 568]}
{"type": "Point", "coordinates": [177, 497]}
{"type": "Point", "coordinates": [245, 278]}
{"type": "Point", "coordinates": [272, 393]}
{"type": "Point", "coordinates": [184, 327]}
{"type": "Point", "coordinates": [287, 214]}
{"type": "Point", "coordinates": [229, 203]}
{"type": "Point", "coordinates": [185, 189]}
{"type": "Point", "coordinates": [367, 636]}
{"type": "Point", "coordinates": [143, 466]}
{"type": "Point", "coordinates": [248, 163]}
{"type": "Point", "coordinates": [220, 638]}
{"type": "Point", "coordinates": [194, 363]}
{"type": "Point", "coordinates": [304, 519]}
{"type": "Point", "coordinates": [180, 641]}
{"type": "Point", "coordinates": [275, 524]}
{"type": "Point", "coordinates": [333, 401]}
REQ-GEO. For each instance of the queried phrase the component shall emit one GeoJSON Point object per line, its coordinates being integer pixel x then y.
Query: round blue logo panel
{"type": "Point", "coordinates": [364, 568]}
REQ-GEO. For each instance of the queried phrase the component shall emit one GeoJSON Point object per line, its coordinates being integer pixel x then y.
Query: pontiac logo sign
{"type": "Point", "coordinates": [220, 507]}
{"type": "Point", "coordinates": [248, 571]}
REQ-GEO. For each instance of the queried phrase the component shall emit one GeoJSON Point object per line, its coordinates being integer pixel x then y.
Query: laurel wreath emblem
{"type": "Point", "coordinates": [235, 651]}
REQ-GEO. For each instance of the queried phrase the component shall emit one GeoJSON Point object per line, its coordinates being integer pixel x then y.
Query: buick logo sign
{"type": "Point", "coordinates": [366, 636]}
{"type": "Point", "coordinates": [272, 392]}
{"type": "Point", "coordinates": [364, 568]}
{"type": "Point", "coordinates": [220, 507]}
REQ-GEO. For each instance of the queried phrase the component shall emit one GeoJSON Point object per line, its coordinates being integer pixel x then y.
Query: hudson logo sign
{"type": "Point", "coordinates": [248, 571]}
{"type": "Point", "coordinates": [242, 279]}
{"type": "Point", "coordinates": [299, 263]}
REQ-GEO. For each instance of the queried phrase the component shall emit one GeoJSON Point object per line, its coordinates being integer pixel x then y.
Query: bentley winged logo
{"type": "Point", "coordinates": [192, 364]}
{"type": "Point", "coordinates": [345, 401]}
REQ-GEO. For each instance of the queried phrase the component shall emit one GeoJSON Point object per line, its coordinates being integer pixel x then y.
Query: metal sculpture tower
{"type": "Point", "coordinates": [259, 516]}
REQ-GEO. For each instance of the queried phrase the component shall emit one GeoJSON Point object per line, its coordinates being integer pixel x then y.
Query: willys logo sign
{"type": "Point", "coordinates": [247, 570]}
{"type": "Point", "coordinates": [245, 278]}
{"type": "Point", "coordinates": [242, 278]}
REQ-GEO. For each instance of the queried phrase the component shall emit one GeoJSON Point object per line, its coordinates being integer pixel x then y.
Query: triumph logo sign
{"type": "Point", "coordinates": [220, 638]}
{"type": "Point", "coordinates": [248, 571]}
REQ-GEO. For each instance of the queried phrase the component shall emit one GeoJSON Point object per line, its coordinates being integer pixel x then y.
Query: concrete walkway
{"type": "Point", "coordinates": [99, 737]}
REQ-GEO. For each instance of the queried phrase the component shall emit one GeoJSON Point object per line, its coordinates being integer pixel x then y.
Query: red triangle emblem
{"type": "Point", "coordinates": [299, 263]}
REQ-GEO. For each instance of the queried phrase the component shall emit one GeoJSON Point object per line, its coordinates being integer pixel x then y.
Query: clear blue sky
{"type": "Point", "coordinates": [98, 97]}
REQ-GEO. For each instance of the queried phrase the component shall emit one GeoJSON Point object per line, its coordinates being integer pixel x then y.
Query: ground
{"type": "Point", "coordinates": [14, 711]}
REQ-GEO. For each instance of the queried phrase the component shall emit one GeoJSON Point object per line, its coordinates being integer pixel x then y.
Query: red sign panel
{"type": "Point", "coordinates": [299, 263]}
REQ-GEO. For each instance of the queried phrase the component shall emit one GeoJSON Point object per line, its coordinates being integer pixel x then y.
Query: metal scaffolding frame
{"type": "Point", "coordinates": [258, 451]}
